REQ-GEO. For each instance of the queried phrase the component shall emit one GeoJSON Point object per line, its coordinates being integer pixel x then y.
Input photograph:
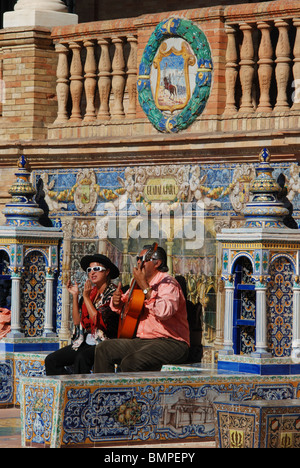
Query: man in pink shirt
{"type": "Point", "coordinates": [162, 334]}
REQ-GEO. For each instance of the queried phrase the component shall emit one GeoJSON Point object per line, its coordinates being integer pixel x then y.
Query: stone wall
{"type": "Point", "coordinates": [28, 70]}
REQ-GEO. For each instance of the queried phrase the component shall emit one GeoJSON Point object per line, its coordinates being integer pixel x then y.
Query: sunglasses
{"type": "Point", "coordinates": [141, 258]}
{"type": "Point", "coordinates": [95, 268]}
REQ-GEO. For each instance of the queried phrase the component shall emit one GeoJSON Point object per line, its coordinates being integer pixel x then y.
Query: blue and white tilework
{"type": "Point", "coordinates": [148, 408]}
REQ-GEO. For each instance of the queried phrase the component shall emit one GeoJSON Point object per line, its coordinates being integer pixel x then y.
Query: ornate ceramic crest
{"type": "Point", "coordinates": [175, 75]}
{"type": "Point", "coordinates": [85, 197]}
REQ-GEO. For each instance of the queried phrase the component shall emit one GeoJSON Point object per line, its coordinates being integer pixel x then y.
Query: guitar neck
{"type": "Point", "coordinates": [133, 283]}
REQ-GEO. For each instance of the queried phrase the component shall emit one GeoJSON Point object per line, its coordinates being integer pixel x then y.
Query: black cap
{"type": "Point", "coordinates": [99, 258]}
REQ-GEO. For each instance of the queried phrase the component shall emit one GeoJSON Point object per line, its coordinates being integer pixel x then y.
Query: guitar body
{"type": "Point", "coordinates": [130, 314]}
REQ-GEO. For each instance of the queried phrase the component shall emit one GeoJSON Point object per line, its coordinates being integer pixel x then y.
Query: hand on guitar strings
{"type": "Point", "coordinates": [139, 274]}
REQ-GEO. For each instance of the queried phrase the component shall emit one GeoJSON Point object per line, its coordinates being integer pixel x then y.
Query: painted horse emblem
{"type": "Point", "coordinates": [172, 82]}
{"type": "Point", "coordinates": [170, 87]}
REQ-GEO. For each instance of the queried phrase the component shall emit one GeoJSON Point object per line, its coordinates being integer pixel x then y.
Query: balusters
{"type": "Point", "coordinates": [76, 79]}
{"type": "Point", "coordinates": [296, 67]}
{"type": "Point", "coordinates": [265, 70]}
{"type": "Point", "coordinates": [274, 61]}
{"type": "Point", "coordinates": [109, 78]}
{"type": "Point", "coordinates": [247, 68]}
{"type": "Point", "coordinates": [231, 72]}
{"type": "Point", "coordinates": [104, 83]}
{"type": "Point", "coordinates": [132, 76]}
{"type": "Point", "coordinates": [283, 60]}
{"type": "Point", "coordinates": [62, 87]}
{"type": "Point", "coordinates": [2, 87]}
{"type": "Point", "coordinates": [90, 82]}
{"type": "Point", "coordinates": [118, 78]}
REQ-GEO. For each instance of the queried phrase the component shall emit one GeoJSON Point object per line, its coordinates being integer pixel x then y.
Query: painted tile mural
{"type": "Point", "coordinates": [82, 410]}
{"type": "Point", "coordinates": [223, 189]}
{"type": "Point", "coordinates": [117, 210]}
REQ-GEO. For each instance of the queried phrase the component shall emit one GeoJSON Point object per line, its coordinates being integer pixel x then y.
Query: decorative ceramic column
{"type": "Point", "coordinates": [16, 275]}
{"type": "Point", "coordinates": [25, 234]}
{"type": "Point", "coordinates": [220, 314]}
{"type": "Point", "coordinates": [228, 318]}
{"type": "Point", "coordinates": [46, 13]}
{"type": "Point", "coordinates": [48, 326]}
{"type": "Point", "coordinates": [296, 320]}
{"type": "Point", "coordinates": [261, 348]}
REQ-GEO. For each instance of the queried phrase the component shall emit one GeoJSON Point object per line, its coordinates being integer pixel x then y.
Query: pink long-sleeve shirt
{"type": "Point", "coordinates": [164, 314]}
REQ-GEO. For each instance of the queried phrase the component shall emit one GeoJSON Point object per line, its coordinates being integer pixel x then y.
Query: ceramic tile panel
{"type": "Point", "coordinates": [258, 424]}
{"type": "Point", "coordinates": [27, 364]}
{"type": "Point", "coordinates": [81, 201]}
{"type": "Point", "coordinates": [13, 366]}
{"type": "Point", "coordinates": [6, 379]}
{"type": "Point", "coordinates": [158, 406]}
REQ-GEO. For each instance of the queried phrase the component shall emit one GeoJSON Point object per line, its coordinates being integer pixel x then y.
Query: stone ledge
{"type": "Point", "coordinates": [33, 18]}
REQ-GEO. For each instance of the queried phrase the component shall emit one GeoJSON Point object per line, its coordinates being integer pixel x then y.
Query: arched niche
{"type": "Point", "coordinates": [244, 306]}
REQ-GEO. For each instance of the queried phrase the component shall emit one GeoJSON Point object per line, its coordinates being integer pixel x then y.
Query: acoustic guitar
{"type": "Point", "coordinates": [132, 309]}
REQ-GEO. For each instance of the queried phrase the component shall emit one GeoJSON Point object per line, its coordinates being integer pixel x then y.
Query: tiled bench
{"type": "Point", "coordinates": [258, 424]}
{"type": "Point", "coordinates": [12, 367]}
{"type": "Point", "coordinates": [101, 409]}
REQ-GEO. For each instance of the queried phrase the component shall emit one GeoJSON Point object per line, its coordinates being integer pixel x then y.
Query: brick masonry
{"type": "Point", "coordinates": [29, 74]}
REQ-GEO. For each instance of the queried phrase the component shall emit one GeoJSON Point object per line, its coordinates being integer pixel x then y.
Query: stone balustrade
{"type": "Point", "coordinates": [256, 72]}
{"type": "Point", "coordinates": [96, 77]}
{"type": "Point", "coordinates": [263, 66]}
{"type": "Point", "coordinates": [91, 74]}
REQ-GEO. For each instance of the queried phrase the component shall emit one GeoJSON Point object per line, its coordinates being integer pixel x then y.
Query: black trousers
{"type": "Point", "coordinates": [81, 361]}
{"type": "Point", "coordinates": [135, 355]}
